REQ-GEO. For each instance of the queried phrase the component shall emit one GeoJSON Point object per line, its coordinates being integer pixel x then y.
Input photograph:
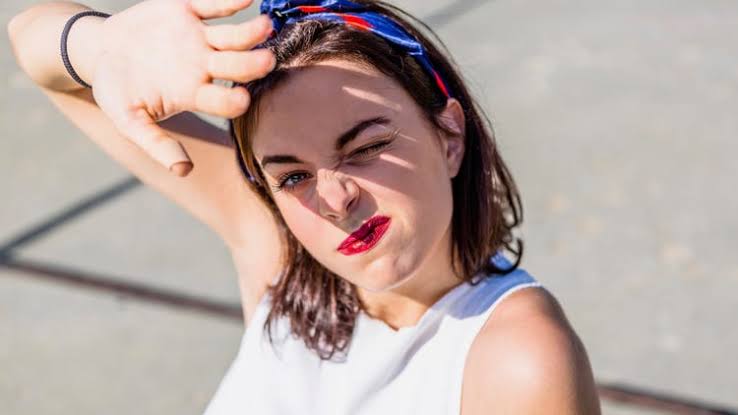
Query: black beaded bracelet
{"type": "Point", "coordinates": [65, 33]}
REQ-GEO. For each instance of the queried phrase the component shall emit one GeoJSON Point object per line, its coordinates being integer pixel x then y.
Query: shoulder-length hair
{"type": "Point", "coordinates": [322, 307]}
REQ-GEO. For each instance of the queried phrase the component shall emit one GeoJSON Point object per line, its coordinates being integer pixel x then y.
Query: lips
{"type": "Point", "coordinates": [366, 236]}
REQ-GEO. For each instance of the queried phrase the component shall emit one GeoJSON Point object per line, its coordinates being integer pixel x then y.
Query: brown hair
{"type": "Point", "coordinates": [321, 306]}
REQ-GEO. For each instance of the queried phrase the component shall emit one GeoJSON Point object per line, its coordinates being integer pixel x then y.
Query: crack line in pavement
{"type": "Point", "coordinates": [668, 403]}
{"type": "Point", "coordinates": [116, 286]}
{"type": "Point", "coordinates": [78, 209]}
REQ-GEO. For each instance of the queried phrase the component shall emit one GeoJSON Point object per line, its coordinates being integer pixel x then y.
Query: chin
{"type": "Point", "coordinates": [382, 273]}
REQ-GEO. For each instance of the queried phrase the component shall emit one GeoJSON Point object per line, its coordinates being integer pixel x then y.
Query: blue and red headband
{"type": "Point", "coordinates": [285, 12]}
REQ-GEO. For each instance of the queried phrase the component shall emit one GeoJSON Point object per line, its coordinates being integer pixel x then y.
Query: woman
{"type": "Point", "coordinates": [367, 209]}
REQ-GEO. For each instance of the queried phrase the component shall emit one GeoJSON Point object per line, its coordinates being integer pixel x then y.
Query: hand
{"type": "Point", "coordinates": [158, 58]}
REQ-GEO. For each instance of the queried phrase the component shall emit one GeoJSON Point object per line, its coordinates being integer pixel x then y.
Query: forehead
{"type": "Point", "coordinates": [323, 100]}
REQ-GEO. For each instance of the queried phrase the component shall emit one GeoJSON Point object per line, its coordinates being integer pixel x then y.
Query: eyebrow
{"type": "Point", "coordinates": [341, 142]}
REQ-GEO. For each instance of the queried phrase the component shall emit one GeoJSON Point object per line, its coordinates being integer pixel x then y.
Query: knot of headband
{"type": "Point", "coordinates": [285, 12]}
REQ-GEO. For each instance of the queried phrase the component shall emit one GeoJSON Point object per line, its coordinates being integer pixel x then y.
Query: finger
{"type": "Point", "coordinates": [221, 101]}
{"type": "Point", "coordinates": [209, 9]}
{"type": "Point", "coordinates": [240, 66]}
{"type": "Point", "coordinates": [143, 130]}
{"type": "Point", "coordinates": [242, 36]}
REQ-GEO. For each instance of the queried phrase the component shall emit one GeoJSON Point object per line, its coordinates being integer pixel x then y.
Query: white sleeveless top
{"type": "Point", "coordinates": [415, 370]}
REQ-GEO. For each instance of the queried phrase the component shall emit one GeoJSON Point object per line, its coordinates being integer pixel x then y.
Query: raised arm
{"type": "Point", "coordinates": [147, 63]}
{"type": "Point", "coordinates": [214, 191]}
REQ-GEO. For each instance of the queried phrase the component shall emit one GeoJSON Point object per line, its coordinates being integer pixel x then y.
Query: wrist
{"type": "Point", "coordinates": [84, 46]}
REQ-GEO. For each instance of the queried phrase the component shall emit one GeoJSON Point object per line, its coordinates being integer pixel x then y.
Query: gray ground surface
{"type": "Point", "coordinates": [617, 119]}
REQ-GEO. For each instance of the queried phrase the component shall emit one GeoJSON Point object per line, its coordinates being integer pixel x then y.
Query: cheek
{"type": "Point", "coordinates": [421, 173]}
{"type": "Point", "coordinates": [430, 189]}
{"type": "Point", "coordinates": [302, 222]}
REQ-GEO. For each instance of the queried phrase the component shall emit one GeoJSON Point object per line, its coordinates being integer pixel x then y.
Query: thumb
{"type": "Point", "coordinates": [143, 130]}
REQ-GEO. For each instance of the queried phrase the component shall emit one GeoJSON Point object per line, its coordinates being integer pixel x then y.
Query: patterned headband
{"type": "Point", "coordinates": [284, 12]}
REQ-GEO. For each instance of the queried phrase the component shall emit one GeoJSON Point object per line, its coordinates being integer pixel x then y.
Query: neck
{"type": "Point", "coordinates": [405, 304]}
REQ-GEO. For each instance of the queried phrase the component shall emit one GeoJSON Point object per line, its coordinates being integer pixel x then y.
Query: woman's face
{"type": "Point", "coordinates": [347, 143]}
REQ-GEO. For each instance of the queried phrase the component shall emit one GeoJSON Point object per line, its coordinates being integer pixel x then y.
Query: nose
{"type": "Point", "coordinates": [337, 194]}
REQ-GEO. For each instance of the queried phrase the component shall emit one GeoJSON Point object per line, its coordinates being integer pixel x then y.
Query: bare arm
{"type": "Point", "coordinates": [528, 360]}
{"type": "Point", "coordinates": [147, 63]}
{"type": "Point", "coordinates": [32, 35]}
{"type": "Point", "coordinates": [214, 192]}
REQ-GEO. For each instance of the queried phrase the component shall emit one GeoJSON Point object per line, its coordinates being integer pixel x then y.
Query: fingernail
{"type": "Point", "coordinates": [268, 24]}
{"type": "Point", "coordinates": [168, 153]}
{"type": "Point", "coordinates": [272, 61]}
{"type": "Point", "coordinates": [181, 169]}
{"type": "Point", "coordinates": [267, 27]}
{"type": "Point", "coordinates": [241, 100]}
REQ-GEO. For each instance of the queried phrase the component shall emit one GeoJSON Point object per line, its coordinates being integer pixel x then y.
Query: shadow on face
{"type": "Point", "coordinates": [340, 143]}
{"type": "Point", "coordinates": [338, 121]}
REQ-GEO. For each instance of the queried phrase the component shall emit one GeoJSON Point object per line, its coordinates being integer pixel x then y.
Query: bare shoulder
{"type": "Point", "coordinates": [528, 360]}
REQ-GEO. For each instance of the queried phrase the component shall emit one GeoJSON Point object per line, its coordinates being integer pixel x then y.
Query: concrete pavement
{"type": "Point", "coordinates": [617, 119]}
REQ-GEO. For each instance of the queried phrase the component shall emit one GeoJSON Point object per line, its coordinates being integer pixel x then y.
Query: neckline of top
{"type": "Point", "coordinates": [436, 307]}
{"type": "Point", "coordinates": [441, 304]}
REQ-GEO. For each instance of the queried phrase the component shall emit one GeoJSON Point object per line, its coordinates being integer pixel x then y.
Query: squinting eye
{"type": "Point", "coordinates": [371, 149]}
{"type": "Point", "coordinates": [285, 178]}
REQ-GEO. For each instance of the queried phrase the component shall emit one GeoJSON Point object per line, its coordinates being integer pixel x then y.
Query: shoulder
{"type": "Point", "coordinates": [527, 359]}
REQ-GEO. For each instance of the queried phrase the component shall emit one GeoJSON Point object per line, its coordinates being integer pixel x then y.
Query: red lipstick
{"type": "Point", "coordinates": [366, 236]}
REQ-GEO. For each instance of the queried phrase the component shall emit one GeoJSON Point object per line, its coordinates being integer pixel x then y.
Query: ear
{"type": "Point", "coordinates": [453, 144]}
